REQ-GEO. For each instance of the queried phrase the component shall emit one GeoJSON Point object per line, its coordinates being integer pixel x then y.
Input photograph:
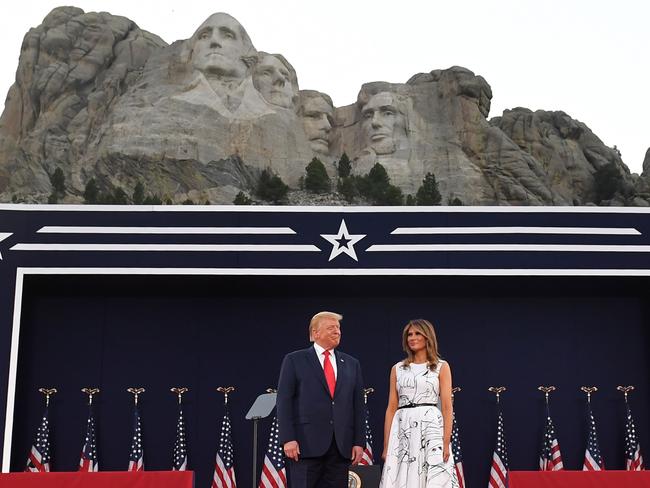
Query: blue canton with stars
{"type": "Point", "coordinates": [180, 446]}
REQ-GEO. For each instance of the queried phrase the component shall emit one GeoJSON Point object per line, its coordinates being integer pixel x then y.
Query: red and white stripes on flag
{"type": "Point", "coordinates": [274, 473]}
{"type": "Point", "coordinates": [555, 463]}
{"type": "Point", "coordinates": [550, 458]}
{"type": "Point", "coordinates": [460, 475]}
{"type": "Point", "coordinates": [223, 477]}
{"type": "Point", "coordinates": [224, 467]}
{"type": "Point", "coordinates": [499, 469]}
{"type": "Point", "coordinates": [367, 457]}
{"type": "Point", "coordinates": [593, 459]}
{"type": "Point", "coordinates": [633, 458]}
{"type": "Point", "coordinates": [39, 455]}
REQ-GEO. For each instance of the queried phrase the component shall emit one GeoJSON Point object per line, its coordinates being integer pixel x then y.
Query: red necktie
{"type": "Point", "coordinates": [329, 373]}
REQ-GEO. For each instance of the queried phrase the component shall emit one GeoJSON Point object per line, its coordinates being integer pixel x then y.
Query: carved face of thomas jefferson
{"type": "Point", "coordinates": [317, 120]}
{"type": "Point", "coordinates": [382, 123]}
{"type": "Point", "coordinates": [274, 80]}
{"type": "Point", "coordinates": [220, 47]}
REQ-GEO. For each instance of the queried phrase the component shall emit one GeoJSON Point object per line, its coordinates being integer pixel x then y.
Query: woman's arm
{"type": "Point", "coordinates": [390, 409]}
{"type": "Point", "coordinates": [446, 408]}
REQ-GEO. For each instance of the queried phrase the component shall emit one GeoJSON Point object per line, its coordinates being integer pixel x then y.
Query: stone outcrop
{"type": "Point", "coordinates": [200, 119]}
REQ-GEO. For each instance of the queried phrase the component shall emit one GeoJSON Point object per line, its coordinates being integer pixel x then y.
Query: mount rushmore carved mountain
{"type": "Point", "coordinates": [98, 99]}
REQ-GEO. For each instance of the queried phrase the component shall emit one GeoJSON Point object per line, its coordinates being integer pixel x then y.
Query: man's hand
{"type": "Point", "coordinates": [357, 454]}
{"type": "Point", "coordinates": [292, 450]}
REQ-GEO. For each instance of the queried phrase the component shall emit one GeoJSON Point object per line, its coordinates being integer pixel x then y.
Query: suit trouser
{"type": "Point", "coordinates": [327, 471]}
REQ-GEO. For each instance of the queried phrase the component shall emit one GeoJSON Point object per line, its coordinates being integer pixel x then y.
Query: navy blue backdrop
{"type": "Point", "coordinates": [202, 332]}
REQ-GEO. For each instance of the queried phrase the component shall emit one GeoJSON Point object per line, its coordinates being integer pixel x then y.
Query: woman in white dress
{"type": "Point", "coordinates": [417, 429]}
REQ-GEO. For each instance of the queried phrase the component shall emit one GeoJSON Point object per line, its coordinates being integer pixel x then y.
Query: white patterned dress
{"type": "Point", "coordinates": [414, 456]}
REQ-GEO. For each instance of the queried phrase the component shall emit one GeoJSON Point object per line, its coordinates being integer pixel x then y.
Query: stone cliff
{"type": "Point", "coordinates": [97, 98]}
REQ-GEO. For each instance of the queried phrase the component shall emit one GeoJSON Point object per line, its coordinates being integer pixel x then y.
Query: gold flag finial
{"type": "Point", "coordinates": [589, 390]}
{"type": "Point", "coordinates": [90, 392]}
{"type": "Point", "coordinates": [625, 390]}
{"type": "Point", "coordinates": [136, 393]}
{"type": "Point", "coordinates": [366, 393]}
{"type": "Point", "coordinates": [497, 390]}
{"type": "Point", "coordinates": [179, 390]}
{"type": "Point", "coordinates": [226, 390]}
{"type": "Point", "coordinates": [455, 390]}
{"type": "Point", "coordinates": [546, 390]}
{"type": "Point", "coordinates": [48, 392]}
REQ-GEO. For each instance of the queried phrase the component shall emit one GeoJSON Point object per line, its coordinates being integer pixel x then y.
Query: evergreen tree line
{"type": "Point", "coordinates": [374, 187]}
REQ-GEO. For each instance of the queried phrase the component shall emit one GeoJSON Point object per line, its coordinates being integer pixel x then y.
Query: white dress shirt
{"type": "Point", "coordinates": [321, 358]}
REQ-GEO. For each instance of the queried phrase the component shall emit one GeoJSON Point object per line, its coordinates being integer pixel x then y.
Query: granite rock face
{"type": "Point", "coordinates": [200, 119]}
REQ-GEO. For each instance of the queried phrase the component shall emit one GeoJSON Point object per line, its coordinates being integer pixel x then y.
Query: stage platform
{"type": "Point", "coordinates": [116, 297]}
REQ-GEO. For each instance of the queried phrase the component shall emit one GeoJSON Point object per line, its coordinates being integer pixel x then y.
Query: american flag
{"type": "Point", "coordinates": [180, 446]}
{"type": "Point", "coordinates": [633, 458]}
{"type": "Point", "coordinates": [593, 460]}
{"type": "Point", "coordinates": [39, 456]}
{"type": "Point", "coordinates": [274, 473]}
{"type": "Point", "coordinates": [457, 453]}
{"type": "Point", "coordinates": [367, 458]}
{"type": "Point", "coordinates": [499, 469]}
{"type": "Point", "coordinates": [89, 460]}
{"type": "Point", "coordinates": [136, 458]}
{"type": "Point", "coordinates": [224, 467]}
{"type": "Point", "coordinates": [550, 458]}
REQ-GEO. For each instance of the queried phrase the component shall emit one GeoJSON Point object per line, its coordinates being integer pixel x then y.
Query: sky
{"type": "Point", "coordinates": [587, 58]}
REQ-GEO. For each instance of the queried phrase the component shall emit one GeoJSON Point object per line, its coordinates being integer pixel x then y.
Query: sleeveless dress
{"type": "Point", "coordinates": [414, 456]}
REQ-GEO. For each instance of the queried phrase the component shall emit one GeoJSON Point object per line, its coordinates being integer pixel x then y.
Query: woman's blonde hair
{"type": "Point", "coordinates": [425, 328]}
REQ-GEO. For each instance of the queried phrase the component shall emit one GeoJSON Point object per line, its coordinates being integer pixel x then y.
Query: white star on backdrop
{"type": "Point", "coordinates": [3, 236]}
{"type": "Point", "coordinates": [347, 246]}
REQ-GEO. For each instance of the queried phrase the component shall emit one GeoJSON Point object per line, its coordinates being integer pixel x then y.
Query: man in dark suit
{"type": "Point", "coordinates": [321, 415]}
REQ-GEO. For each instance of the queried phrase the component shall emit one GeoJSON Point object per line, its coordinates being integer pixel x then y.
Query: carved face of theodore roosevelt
{"type": "Point", "coordinates": [317, 119]}
{"type": "Point", "coordinates": [382, 123]}
{"type": "Point", "coordinates": [221, 46]}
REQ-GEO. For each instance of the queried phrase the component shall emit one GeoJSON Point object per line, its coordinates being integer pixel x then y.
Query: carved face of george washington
{"type": "Point", "coordinates": [220, 47]}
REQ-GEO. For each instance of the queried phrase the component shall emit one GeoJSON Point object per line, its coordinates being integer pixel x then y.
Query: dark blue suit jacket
{"type": "Point", "coordinates": [308, 414]}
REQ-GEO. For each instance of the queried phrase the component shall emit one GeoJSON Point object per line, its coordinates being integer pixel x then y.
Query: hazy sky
{"type": "Point", "coordinates": [589, 59]}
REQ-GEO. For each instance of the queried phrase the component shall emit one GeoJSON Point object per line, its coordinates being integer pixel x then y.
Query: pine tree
{"type": "Point", "coordinates": [91, 192]}
{"type": "Point", "coordinates": [58, 186]}
{"type": "Point", "coordinates": [270, 187]}
{"type": "Point", "coordinates": [316, 178]}
{"type": "Point", "coordinates": [58, 181]}
{"type": "Point", "coordinates": [242, 199]}
{"type": "Point", "coordinates": [344, 167]}
{"type": "Point", "coordinates": [428, 193]}
{"type": "Point", "coordinates": [377, 188]}
{"type": "Point", "coordinates": [347, 188]}
{"type": "Point", "coordinates": [138, 194]}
